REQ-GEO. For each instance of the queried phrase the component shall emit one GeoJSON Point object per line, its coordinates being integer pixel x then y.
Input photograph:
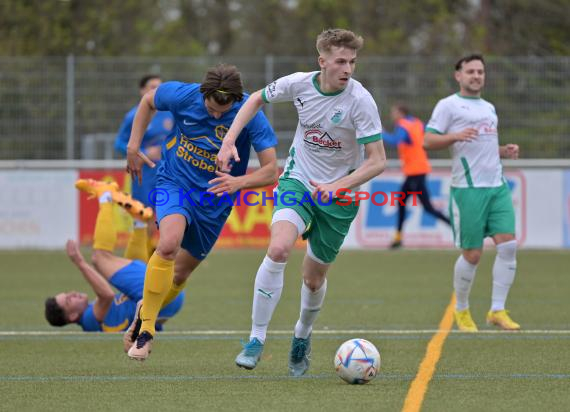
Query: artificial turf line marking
{"type": "Point", "coordinates": [418, 388]}
{"type": "Point", "coordinates": [288, 332]}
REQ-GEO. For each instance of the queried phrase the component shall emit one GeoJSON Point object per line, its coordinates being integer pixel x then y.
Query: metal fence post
{"type": "Point", "coordinates": [70, 106]}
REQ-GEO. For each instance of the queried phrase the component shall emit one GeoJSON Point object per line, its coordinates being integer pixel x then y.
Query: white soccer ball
{"type": "Point", "coordinates": [357, 361]}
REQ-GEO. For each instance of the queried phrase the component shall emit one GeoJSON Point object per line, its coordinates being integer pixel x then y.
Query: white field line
{"type": "Point", "coordinates": [288, 332]}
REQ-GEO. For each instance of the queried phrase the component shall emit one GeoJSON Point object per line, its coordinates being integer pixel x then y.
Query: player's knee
{"type": "Point", "coordinates": [472, 256]}
{"type": "Point", "coordinates": [507, 250]}
{"type": "Point", "coordinates": [278, 252]}
{"type": "Point", "coordinates": [314, 283]}
{"type": "Point", "coordinates": [168, 248]}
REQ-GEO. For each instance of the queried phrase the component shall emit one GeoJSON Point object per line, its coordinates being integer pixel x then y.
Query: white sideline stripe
{"type": "Point", "coordinates": [288, 332]}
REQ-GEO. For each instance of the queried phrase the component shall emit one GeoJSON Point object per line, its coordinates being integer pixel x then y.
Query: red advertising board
{"type": "Point", "coordinates": [247, 226]}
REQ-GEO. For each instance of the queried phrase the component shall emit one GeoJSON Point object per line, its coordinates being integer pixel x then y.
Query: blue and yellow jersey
{"type": "Point", "coordinates": [189, 154]}
{"type": "Point", "coordinates": [121, 314]}
{"type": "Point", "coordinates": [158, 129]}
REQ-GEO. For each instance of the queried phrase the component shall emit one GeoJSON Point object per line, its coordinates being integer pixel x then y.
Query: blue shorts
{"type": "Point", "coordinates": [130, 281]}
{"type": "Point", "coordinates": [142, 191]}
{"type": "Point", "coordinates": [204, 221]}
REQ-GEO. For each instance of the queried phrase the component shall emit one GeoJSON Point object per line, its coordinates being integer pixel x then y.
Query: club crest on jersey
{"type": "Point", "coordinates": [316, 137]}
{"type": "Point", "coordinates": [337, 115]}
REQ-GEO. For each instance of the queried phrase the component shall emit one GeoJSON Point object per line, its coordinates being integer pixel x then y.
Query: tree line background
{"type": "Point", "coordinates": [409, 51]}
{"type": "Point", "coordinates": [281, 27]}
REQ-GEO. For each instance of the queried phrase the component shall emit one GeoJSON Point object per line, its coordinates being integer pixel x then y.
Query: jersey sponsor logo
{"type": "Point", "coordinates": [321, 139]}
{"type": "Point", "coordinates": [487, 127]}
{"type": "Point", "coordinates": [198, 157]}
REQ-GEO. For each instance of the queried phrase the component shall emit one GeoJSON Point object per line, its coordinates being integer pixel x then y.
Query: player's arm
{"type": "Point", "coordinates": [228, 151]}
{"type": "Point", "coordinates": [374, 165]}
{"type": "Point", "coordinates": [436, 141]}
{"type": "Point", "coordinates": [98, 283]}
{"type": "Point", "coordinates": [509, 151]}
{"type": "Point", "coordinates": [265, 175]}
{"type": "Point", "coordinates": [122, 138]}
{"type": "Point", "coordinates": [145, 112]}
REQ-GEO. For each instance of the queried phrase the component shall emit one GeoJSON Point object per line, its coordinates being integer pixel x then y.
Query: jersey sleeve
{"type": "Point", "coordinates": [440, 119]}
{"type": "Point", "coordinates": [281, 90]}
{"type": "Point", "coordinates": [167, 97]}
{"type": "Point", "coordinates": [261, 133]}
{"type": "Point", "coordinates": [88, 322]}
{"type": "Point", "coordinates": [367, 122]}
{"type": "Point", "coordinates": [124, 133]}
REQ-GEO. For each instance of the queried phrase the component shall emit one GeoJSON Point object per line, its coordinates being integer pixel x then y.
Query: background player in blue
{"type": "Point", "coordinates": [189, 223]}
{"type": "Point", "coordinates": [159, 127]}
{"type": "Point", "coordinates": [110, 311]}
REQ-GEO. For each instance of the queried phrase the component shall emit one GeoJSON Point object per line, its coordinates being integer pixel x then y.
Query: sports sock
{"type": "Point", "coordinates": [173, 292]}
{"type": "Point", "coordinates": [463, 276]}
{"type": "Point", "coordinates": [266, 295]}
{"type": "Point", "coordinates": [504, 270]}
{"type": "Point", "coordinates": [137, 245]}
{"type": "Point", "coordinates": [311, 303]}
{"type": "Point", "coordinates": [158, 278]}
{"type": "Point", "coordinates": [105, 235]}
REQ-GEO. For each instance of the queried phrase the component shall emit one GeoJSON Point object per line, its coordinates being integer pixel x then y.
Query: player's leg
{"type": "Point", "coordinates": [502, 229]}
{"type": "Point", "coordinates": [137, 246]}
{"type": "Point", "coordinates": [145, 193]}
{"type": "Point", "coordinates": [397, 241]}
{"type": "Point", "coordinates": [158, 280]}
{"type": "Point", "coordinates": [329, 227]}
{"type": "Point", "coordinates": [425, 199]}
{"type": "Point", "coordinates": [269, 283]}
{"type": "Point", "coordinates": [468, 210]}
{"type": "Point", "coordinates": [105, 234]}
{"type": "Point", "coordinates": [290, 218]}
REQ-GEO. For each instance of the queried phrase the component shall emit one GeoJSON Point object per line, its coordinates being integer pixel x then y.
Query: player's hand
{"type": "Point", "coordinates": [511, 151]}
{"type": "Point", "coordinates": [73, 252]}
{"type": "Point", "coordinates": [466, 135]}
{"type": "Point", "coordinates": [227, 153]}
{"type": "Point", "coordinates": [323, 192]}
{"type": "Point", "coordinates": [135, 160]}
{"type": "Point", "coordinates": [225, 183]}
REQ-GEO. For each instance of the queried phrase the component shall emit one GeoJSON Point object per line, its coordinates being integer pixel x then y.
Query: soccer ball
{"type": "Point", "coordinates": [357, 361]}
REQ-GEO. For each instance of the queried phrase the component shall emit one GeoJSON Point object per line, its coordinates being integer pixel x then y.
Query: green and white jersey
{"type": "Point", "coordinates": [332, 129]}
{"type": "Point", "coordinates": [475, 163]}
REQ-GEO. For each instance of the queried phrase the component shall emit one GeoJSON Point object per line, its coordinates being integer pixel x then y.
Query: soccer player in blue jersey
{"type": "Point", "coordinates": [110, 311]}
{"type": "Point", "coordinates": [159, 127]}
{"type": "Point", "coordinates": [190, 220]}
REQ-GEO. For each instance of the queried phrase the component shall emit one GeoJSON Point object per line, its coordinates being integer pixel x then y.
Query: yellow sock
{"type": "Point", "coordinates": [105, 235]}
{"type": "Point", "coordinates": [137, 246]}
{"type": "Point", "coordinates": [173, 292]}
{"type": "Point", "coordinates": [158, 278]}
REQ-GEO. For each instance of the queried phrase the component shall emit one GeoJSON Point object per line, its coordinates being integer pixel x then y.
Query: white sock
{"type": "Point", "coordinates": [266, 295]}
{"type": "Point", "coordinates": [504, 271]}
{"type": "Point", "coordinates": [463, 276]}
{"type": "Point", "coordinates": [106, 197]}
{"type": "Point", "coordinates": [311, 303]}
{"type": "Point", "coordinates": [139, 224]}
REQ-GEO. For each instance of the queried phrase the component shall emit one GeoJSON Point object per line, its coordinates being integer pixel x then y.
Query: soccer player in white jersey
{"type": "Point", "coordinates": [338, 124]}
{"type": "Point", "coordinates": [480, 200]}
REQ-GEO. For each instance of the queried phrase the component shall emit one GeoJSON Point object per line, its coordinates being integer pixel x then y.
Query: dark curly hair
{"type": "Point", "coordinates": [54, 313]}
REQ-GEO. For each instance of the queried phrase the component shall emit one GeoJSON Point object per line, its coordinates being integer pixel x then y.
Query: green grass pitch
{"type": "Point", "coordinates": [393, 299]}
